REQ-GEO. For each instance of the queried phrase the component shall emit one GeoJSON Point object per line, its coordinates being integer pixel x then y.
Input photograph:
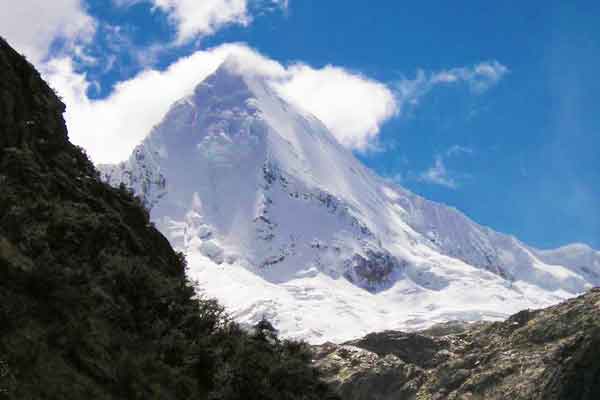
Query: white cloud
{"type": "Point", "coordinates": [352, 106]}
{"type": "Point", "coordinates": [439, 174]}
{"type": "Point", "coordinates": [32, 25]}
{"type": "Point", "coordinates": [193, 18]}
{"type": "Point", "coordinates": [479, 78]}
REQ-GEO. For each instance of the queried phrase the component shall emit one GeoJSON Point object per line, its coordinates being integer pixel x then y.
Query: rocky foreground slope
{"type": "Point", "coordinates": [94, 303]}
{"type": "Point", "coordinates": [548, 354]}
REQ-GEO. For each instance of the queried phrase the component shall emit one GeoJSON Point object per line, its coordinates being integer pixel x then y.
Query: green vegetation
{"type": "Point", "coordinates": [94, 303]}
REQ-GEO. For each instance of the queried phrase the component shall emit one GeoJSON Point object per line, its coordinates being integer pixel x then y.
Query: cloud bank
{"type": "Point", "coordinates": [352, 106]}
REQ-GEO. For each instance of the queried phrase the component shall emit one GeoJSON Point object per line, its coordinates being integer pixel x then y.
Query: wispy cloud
{"type": "Point", "coordinates": [479, 78]}
{"type": "Point", "coordinates": [439, 174]}
{"type": "Point", "coordinates": [456, 150]}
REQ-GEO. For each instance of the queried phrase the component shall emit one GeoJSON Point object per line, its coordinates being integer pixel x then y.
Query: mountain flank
{"type": "Point", "coordinates": [277, 218]}
{"type": "Point", "coordinates": [94, 303]}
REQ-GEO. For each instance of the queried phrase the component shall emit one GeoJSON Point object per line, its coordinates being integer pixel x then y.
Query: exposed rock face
{"type": "Point", "coordinates": [94, 302]}
{"type": "Point", "coordinates": [546, 354]}
{"type": "Point", "coordinates": [374, 271]}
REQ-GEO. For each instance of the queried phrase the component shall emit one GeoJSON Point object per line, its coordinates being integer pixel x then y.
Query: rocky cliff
{"type": "Point", "coordinates": [548, 354]}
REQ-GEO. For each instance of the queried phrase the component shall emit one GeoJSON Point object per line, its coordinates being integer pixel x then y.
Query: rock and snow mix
{"type": "Point", "coordinates": [278, 220]}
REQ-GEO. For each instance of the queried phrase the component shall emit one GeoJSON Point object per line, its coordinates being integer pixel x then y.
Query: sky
{"type": "Point", "coordinates": [489, 107]}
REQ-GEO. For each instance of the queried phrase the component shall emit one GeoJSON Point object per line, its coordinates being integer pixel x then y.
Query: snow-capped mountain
{"type": "Point", "coordinates": [279, 220]}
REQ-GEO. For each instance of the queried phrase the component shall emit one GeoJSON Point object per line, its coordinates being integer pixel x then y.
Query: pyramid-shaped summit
{"type": "Point", "coordinates": [230, 78]}
{"type": "Point", "coordinates": [279, 220]}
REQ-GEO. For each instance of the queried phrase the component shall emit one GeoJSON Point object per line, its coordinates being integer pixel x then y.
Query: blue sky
{"type": "Point", "coordinates": [517, 149]}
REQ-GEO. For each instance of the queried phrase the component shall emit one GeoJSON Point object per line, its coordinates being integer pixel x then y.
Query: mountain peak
{"type": "Point", "coordinates": [238, 176]}
{"type": "Point", "coordinates": [235, 65]}
{"type": "Point", "coordinates": [226, 79]}
{"type": "Point", "coordinates": [233, 75]}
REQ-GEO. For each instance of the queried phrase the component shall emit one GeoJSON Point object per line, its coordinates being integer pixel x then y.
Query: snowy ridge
{"type": "Point", "coordinates": [279, 220]}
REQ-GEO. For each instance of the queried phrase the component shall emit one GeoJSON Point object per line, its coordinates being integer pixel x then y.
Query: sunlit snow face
{"type": "Point", "coordinates": [278, 219]}
{"type": "Point", "coordinates": [220, 149]}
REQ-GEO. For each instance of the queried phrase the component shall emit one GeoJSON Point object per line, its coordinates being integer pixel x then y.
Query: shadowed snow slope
{"type": "Point", "coordinates": [279, 220]}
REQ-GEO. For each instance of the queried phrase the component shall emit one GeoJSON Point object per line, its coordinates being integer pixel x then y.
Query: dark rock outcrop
{"type": "Point", "coordinates": [374, 271]}
{"type": "Point", "coordinates": [94, 303]}
{"type": "Point", "coordinates": [548, 354]}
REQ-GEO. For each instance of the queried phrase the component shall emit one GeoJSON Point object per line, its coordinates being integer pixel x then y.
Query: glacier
{"type": "Point", "coordinates": [278, 220]}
